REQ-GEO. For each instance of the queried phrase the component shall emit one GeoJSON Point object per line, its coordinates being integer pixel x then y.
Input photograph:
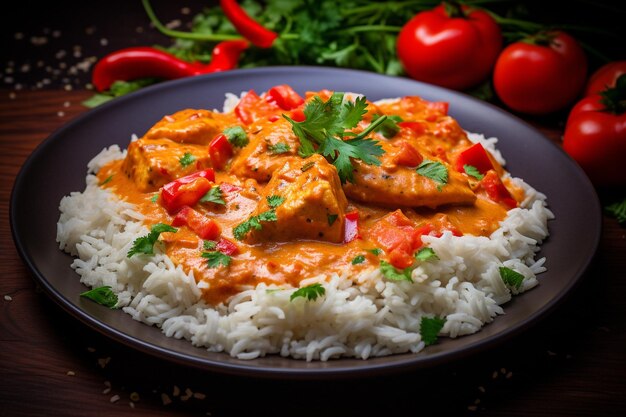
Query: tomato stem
{"type": "Point", "coordinates": [614, 99]}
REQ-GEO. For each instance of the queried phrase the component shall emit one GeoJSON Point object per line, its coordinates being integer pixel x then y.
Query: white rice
{"type": "Point", "coordinates": [363, 316]}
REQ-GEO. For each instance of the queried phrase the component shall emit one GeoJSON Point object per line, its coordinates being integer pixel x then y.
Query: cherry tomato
{"type": "Point", "coordinates": [452, 48]}
{"type": "Point", "coordinates": [604, 77]}
{"type": "Point", "coordinates": [541, 74]}
{"type": "Point", "coordinates": [595, 136]}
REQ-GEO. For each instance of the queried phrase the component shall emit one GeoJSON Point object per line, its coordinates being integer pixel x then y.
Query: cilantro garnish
{"type": "Point", "coordinates": [209, 245]}
{"type": "Point", "coordinates": [310, 292]}
{"type": "Point", "coordinates": [237, 136]}
{"type": "Point", "coordinates": [307, 166]}
{"type": "Point", "coordinates": [254, 222]}
{"type": "Point", "coordinates": [430, 328]}
{"type": "Point", "coordinates": [102, 295]}
{"type": "Point", "coordinates": [434, 170]}
{"type": "Point", "coordinates": [375, 251]}
{"type": "Point", "coordinates": [145, 244]}
{"type": "Point", "coordinates": [187, 159]}
{"type": "Point", "coordinates": [472, 171]}
{"type": "Point", "coordinates": [426, 254]}
{"type": "Point", "coordinates": [327, 124]}
{"type": "Point", "coordinates": [106, 180]}
{"type": "Point", "coordinates": [332, 218]}
{"type": "Point", "coordinates": [389, 128]}
{"type": "Point", "coordinates": [275, 200]}
{"type": "Point", "coordinates": [359, 259]}
{"type": "Point", "coordinates": [390, 272]}
{"type": "Point", "coordinates": [154, 198]}
{"type": "Point", "coordinates": [280, 147]}
{"type": "Point", "coordinates": [214, 195]}
{"type": "Point", "coordinates": [215, 259]}
{"type": "Point", "coordinates": [510, 277]}
{"type": "Point", "coordinates": [618, 210]}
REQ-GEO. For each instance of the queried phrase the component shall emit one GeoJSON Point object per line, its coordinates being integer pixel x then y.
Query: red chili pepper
{"type": "Point", "coordinates": [496, 189]}
{"type": "Point", "coordinates": [144, 62]}
{"type": "Point", "coordinates": [186, 191]}
{"type": "Point", "coordinates": [475, 156]}
{"type": "Point", "coordinates": [246, 26]}
{"type": "Point", "coordinates": [284, 97]}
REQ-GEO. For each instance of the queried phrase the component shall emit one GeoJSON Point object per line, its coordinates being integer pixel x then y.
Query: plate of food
{"type": "Point", "coordinates": [304, 222]}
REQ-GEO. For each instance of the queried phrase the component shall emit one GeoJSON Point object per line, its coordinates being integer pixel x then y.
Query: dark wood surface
{"type": "Point", "coordinates": [572, 363]}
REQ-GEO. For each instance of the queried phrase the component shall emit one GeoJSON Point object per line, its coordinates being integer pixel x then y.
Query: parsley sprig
{"type": "Point", "coordinates": [145, 244]}
{"type": "Point", "coordinates": [310, 292]}
{"type": "Point", "coordinates": [430, 328]}
{"type": "Point", "coordinates": [255, 222]}
{"type": "Point", "coordinates": [102, 295]}
{"type": "Point", "coordinates": [327, 124]}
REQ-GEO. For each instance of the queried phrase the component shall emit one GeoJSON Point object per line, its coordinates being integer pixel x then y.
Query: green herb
{"type": "Point", "coordinates": [375, 251]}
{"type": "Point", "coordinates": [359, 259]}
{"type": "Point", "coordinates": [215, 259]}
{"type": "Point", "coordinates": [310, 292]}
{"type": "Point", "coordinates": [272, 290]}
{"type": "Point", "coordinates": [280, 147]}
{"type": "Point", "coordinates": [510, 277]}
{"type": "Point", "coordinates": [214, 195]}
{"type": "Point", "coordinates": [145, 244]}
{"type": "Point", "coordinates": [275, 200]}
{"type": "Point", "coordinates": [326, 126]}
{"type": "Point", "coordinates": [390, 272]}
{"type": "Point", "coordinates": [472, 171]}
{"type": "Point", "coordinates": [332, 218]}
{"type": "Point", "coordinates": [102, 295]}
{"type": "Point", "coordinates": [106, 180]}
{"type": "Point", "coordinates": [209, 245]}
{"type": "Point", "coordinates": [254, 222]}
{"type": "Point", "coordinates": [118, 88]}
{"type": "Point", "coordinates": [154, 198]}
{"type": "Point", "coordinates": [426, 254]}
{"type": "Point", "coordinates": [430, 328]}
{"type": "Point", "coordinates": [434, 170]}
{"type": "Point", "coordinates": [307, 166]}
{"type": "Point", "coordinates": [187, 159]}
{"type": "Point", "coordinates": [618, 210]}
{"type": "Point", "coordinates": [237, 136]}
{"type": "Point", "coordinates": [389, 128]}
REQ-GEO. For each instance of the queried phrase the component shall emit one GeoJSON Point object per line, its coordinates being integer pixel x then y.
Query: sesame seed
{"type": "Point", "coordinates": [89, 86]}
{"type": "Point", "coordinates": [131, 404]}
{"type": "Point", "coordinates": [66, 104]}
{"type": "Point", "coordinates": [106, 390]}
{"type": "Point", "coordinates": [503, 371]}
{"type": "Point", "coordinates": [107, 384]}
{"type": "Point", "coordinates": [38, 40]}
{"type": "Point", "coordinates": [550, 353]}
{"type": "Point", "coordinates": [8, 80]}
{"type": "Point", "coordinates": [8, 297]}
{"type": "Point", "coordinates": [40, 64]}
{"type": "Point", "coordinates": [19, 36]}
{"type": "Point", "coordinates": [472, 408]}
{"type": "Point", "coordinates": [61, 114]}
{"type": "Point", "coordinates": [509, 375]}
{"type": "Point", "coordinates": [139, 29]}
{"type": "Point", "coordinates": [71, 373]}
{"type": "Point", "coordinates": [481, 388]}
{"type": "Point", "coordinates": [173, 24]}
{"type": "Point", "coordinates": [199, 396]}
{"type": "Point", "coordinates": [104, 361]}
{"type": "Point", "coordinates": [56, 33]}
{"type": "Point", "coordinates": [60, 54]}
{"type": "Point", "coordinates": [90, 30]}
{"type": "Point", "coordinates": [25, 68]}
{"type": "Point", "coordinates": [115, 398]}
{"type": "Point", "coordinates": [494, 375]}
{"type": "Point", "coordinates": [18, 86]}
{"type": "Point", "coordinates": [165, 399]}
{"type": "Point", "coordinates": [9, 70]}
{"type": "Point", "coordinates": [176, 391]}
{"type": "Point", "coordinates": [104, 41]}
{"type": "Point", "coordinates": [185, 10]}
{"type": "Point", "coordinates": [91, 349]}
{"type": "Point", "coordinates": [67, 87]}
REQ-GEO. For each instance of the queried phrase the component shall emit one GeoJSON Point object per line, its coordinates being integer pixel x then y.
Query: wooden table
{"type": "Point", "coordinates": [572, 363]}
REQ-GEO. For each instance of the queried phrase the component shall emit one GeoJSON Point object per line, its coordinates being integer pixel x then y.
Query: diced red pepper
{"type": "Point", "coordinates": [201, 225]}
{"type": "Point", "coordinates": [186, 191]}
{"type": "Point", "coordinates": [475, 156]}
{"type": "Point", "coordinates": [351, 228]}
{"type": "Point", "coordinates": [245, 105]}
{"type": "Point", "coordinates": [297, 115]}
{"type": "Point", "coordinates": [273, 118]}
{"type": "Point", "coordinates": [496, 190]}
{"type": "Point", "coordinates": [220, 151]}
{"type": "Point", "coordinates": [408, 155]}
{"type": "Point", "coordinates": [439, 106]}
{"type": "Point", "coordinates": [284, 96]}
{"type": "Point", "coordinates": [398, 236]}
{"type": "Point", "coordinates": [227, 247]}
{"type": "Point", "coordinates": [416, 127]}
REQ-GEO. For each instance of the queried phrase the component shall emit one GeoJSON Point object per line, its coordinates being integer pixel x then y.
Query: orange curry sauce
{"type": "Point", "coordinates": [394, 204]}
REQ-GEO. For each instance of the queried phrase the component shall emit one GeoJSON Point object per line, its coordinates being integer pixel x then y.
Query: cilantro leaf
{"type": "Point", "coordinates": [332, 218]}
{"type": "Point", "coordinates": [278, 148]}
{"type": "Point", "coordinates": [618, 210]}
{"type": "Point", "coordinates": [275, 200]}
{"type": "Point", "coordinates": [510, 277]}
{"type": "Point", "coordinates": [426, 254]}
{"type": "Point", "coordinates": [389, 128]}
{"type": "Point", "coordinates": [359, 259]}
{"type": "Point", "coordinates": [434, 170]}
{"type": "Point", "coordinates": [472, 171]}
{"type": "Point", "coordinates": [430, 328]}
{"type": "Point", "coordinates": [187, 159]}
{"type": "Point", "coordinates": [307, 166]}
{"type": "Point", "coordinates": [209, 245]}
{"type": "Point", "coordinates": [106, 180]}
{"type": "Point", "coordinates": [341, 151]}
{"type": "Point", "coordinates": [154, 198]}
{"type": "Point", "coordinates": [216, 258]}
{"type": "Point", "coordinates": [214, 195]}
{"type": "Point", "coordinates": [102, 295]}
{"type": "Point", "coordinates": [145, 244]}
{"type": "Point", "coordinates": [237, 136]}
{"type": "Point", "coordinates": [390, 272]}
{"type": "Point", "coordinates": [375, 251]}
{"type": "Point", "coordinates": [310, 292]}
{"type": "Point", "coordinates": [254, 222]}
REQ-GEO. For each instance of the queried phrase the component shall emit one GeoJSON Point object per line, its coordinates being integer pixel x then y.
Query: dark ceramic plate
{"type": "Point", "coordinates": [58, 167]}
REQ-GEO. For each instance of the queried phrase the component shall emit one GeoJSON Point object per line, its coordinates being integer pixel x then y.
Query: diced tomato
{"type": "Point", "coordinates": [475, 156]}
{"type": "Point", "coordinates": [416, 127]}
{"type": "Point", "coordinates": [398, 236]}
{"type": "Point", "coordinates": [220, 151]}
{"type": "Point", "coordinates": [245, 105]}
{"type": "Point", "coordinates": [284, 96]}
{"type": "Point", "coordinates": [439, 106]}
{"type": "Point", "coordinates": [201, 225]}
{"type": "Point", "coordinates": [227, 247]}
{"type": "Point", "coordinates": [186, 191]}
{"type": "Point", "coordinates": [351, 228]}
{"type": "Point", "coordinates": [496, 190]}
{"type": "Point", "coordinates": [408, 155]}
{"type": "Point", "coordinates": [297, 115]}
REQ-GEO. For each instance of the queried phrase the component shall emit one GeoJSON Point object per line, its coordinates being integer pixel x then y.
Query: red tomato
{"type": "Point", "coordinates": [605, 77]}
{"type": "Point", "coordinates": [284, 96]}
{"type": "Point", "coordinates": [201, 225]}
{"type": "Point", "coordinates": [596, 138]}
{"type": "Point", "coordinates": [408, 156]}
{"type": "Point", "coordinates": [540, 75]}
{"type": "Point", "coordinates": [227, 247]}
{"type": "Point", "coordinates": [186, 191]}
{"type": "Point", "coordinates": [454, 51]}
{"type": "Point", "coordinates": [496, 190]}
{"type": "Point", "coordinates": [220, 151]}
{"type": "Point", "coordinates": [399, 237]}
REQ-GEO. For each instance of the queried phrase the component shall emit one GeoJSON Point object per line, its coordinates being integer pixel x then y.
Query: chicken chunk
{"type": "Point", "coordinates": [190, 126]}
{"type": "Point", "coordinates": [314, 204]}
